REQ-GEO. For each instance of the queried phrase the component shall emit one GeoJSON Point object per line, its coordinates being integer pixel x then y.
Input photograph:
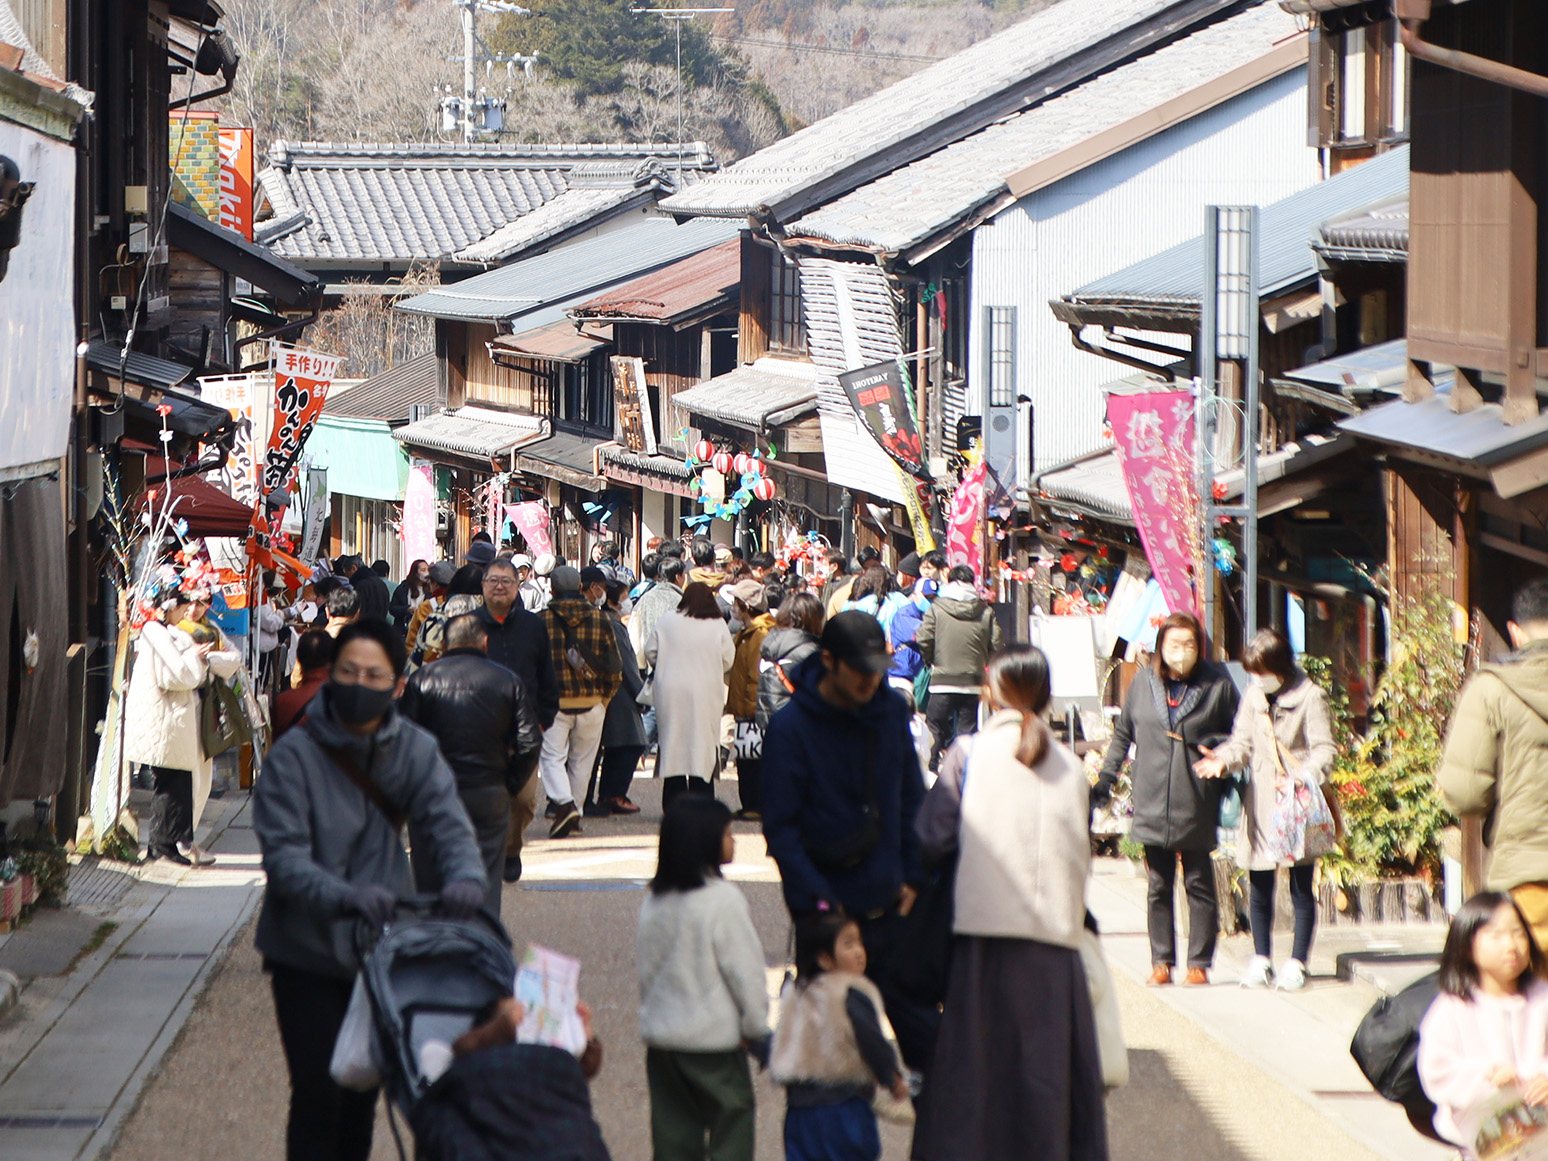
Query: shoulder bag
{"type": "Point", "coordinates": [584, 659]}
{"type": "Point", "coordinates": [346, 764]}
{"type": "Point", "coordinates": [222, 724]}
{"type": "Point", "coordinates": [1111, 1049]}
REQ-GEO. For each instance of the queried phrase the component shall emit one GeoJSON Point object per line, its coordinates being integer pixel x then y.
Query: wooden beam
{"type": "Point", "coordinates": [1521, 475]}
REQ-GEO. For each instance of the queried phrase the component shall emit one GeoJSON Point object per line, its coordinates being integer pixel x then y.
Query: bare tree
{"type": "Point", "coordinates": [369, 334]}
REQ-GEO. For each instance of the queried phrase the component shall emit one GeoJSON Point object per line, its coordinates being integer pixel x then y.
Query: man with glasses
{"type": "Point", "coordinates": [518, 640]}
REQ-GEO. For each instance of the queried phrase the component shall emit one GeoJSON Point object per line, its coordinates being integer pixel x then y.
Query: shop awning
{"type": "Point", "coordinates": [559, 342]}
{"type": "Point", "coordinates": [147, 383]}
{"type": "Point", "coordinates": [566, 457]}
{"type": "Point", "coordinates": [361, 456]}
{"type": "Point", "coordinates": [654, 473]}
{"type": "Point", "coordinates": [208, 510]}
{"type": "Point", "coordinates": [755, 397]}
{"type": "Point", "coordinates": [229, 251]}
{"type": "Point", "coordinates": [475, 432]}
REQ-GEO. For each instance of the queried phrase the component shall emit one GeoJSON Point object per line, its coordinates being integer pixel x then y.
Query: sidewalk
{"type": "Point", "coordinates": [107, 984]}
{"type": "Point", "coordinates": [1300, 1040]}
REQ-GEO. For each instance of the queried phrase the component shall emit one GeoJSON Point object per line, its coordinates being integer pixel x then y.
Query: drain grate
{"type": "Point", "coordinates": [161, 955]}
{"type": "Point", "coordinates": [49, 1121]}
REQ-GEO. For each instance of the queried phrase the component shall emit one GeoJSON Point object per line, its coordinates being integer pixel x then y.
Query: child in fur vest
{"type": "Point", "coordinates": [833, 1047]}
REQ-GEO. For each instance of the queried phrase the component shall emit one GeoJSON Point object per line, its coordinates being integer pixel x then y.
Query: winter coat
{"type": "Point", "coordinates": [292, 703]}
{"type": "Point", "coordinates": [572, 620]}
{"type": "Point", "coordinates": [375, 600]}
{"type": "Point", "coordinates": [321, 836]}
{"type": "Point", "coordinates": [703, 983]}
{"type": "Point", "coordinates": [648, 609]}
{"type": "Point", "coordinates": [835, 593]}
{"type": "Point", "coordinates": [691, 658]}
{"type": "Point", "coordinates": [403, 606]}
{"type": "Point", "coordinates": [815, 762]}
{"type": "Point", "coordinates": [1173, 807]}
{"type": "Point", "coordinates": [481, 715]}
{"type": "Point", "coordinates": [1022, 836]}
{"type": "Point", "coordinates": [1495, 764]}
{"type": "Point", "coordinates": [906, 662]}
{"type": "Point", "coordinates": [957, 636]}
{"type": "Point", "coordinates": [817, 1041]}
{"type": "Point", "coordinates": [884, 609]}
{"type": "Point", "coordinates": [707, 576]}
{"type": "Point", "coordinates": [623, 726]}
{"type": "Point", "coordinates": [1299, 719]}
{"type": "Point", "coordinates": [520, 643]}
{"type": "Point", "coordinates": [782, 651]}
{"type": "Point", "coordinates": [1461, 1041]}
{"type": "Point", "coordinates": [742, 694]}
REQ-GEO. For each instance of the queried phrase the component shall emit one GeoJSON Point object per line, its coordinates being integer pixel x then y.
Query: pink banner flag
{"type": "Point", "coordinates": [419, 512]}
{"type": "Point", "coordinates": [1154, 436]}
{"type": "Point", "coordinates": [965, 522]}
{"type": "Point", "coordinates": [531, 520]}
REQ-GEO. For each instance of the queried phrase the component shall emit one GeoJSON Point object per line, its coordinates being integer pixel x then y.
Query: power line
{"type": "Point", "coordinates": [827, 48]}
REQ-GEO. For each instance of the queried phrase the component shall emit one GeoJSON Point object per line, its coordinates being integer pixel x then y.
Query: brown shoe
{"type": "Point", "coordinates": [1161, 976]}
{"type": "Point", "coordinates": [1197, 978]}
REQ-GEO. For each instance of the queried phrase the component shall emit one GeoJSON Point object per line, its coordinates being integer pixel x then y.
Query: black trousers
{"type": "Point", "coordinates": [950, 714]}
{"type": "Point", "coordinates": [327, 1123]}
{"type": "Point", "coordinates": [489, 809]}
{"type": "Point", "coordinates": [914, 1023]}
{"type": "Point", "coordinates": [171, 813]}
{"type": "Point", "coordinates": [1203, 911]}
{"type": "Point", "coordinates": [618, 766]}
{"type": "Point", "coordinates": [1301, 898]}
{"type": "Point", "coordinates": [673, 786]}
{"type": "Point", "coordinates": [749, 783]}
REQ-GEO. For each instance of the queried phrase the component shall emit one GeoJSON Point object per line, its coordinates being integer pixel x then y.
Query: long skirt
{"type": "Point", "coordinates": [1015, 1075]}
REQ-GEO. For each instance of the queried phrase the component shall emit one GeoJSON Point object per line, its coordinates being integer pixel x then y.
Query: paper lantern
{"type": "Point", "coordinates": [722, 462]}
{"type": "Point", "coordinates": [703, 450]}
{"type": "Point", "coordinates": [764, 489]}
{"type": "Point", "coordinates": [742, 463]}
{"type": "Point", "coordinates": [756, 466]}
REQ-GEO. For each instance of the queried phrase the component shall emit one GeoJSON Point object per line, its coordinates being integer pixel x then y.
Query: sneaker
{"type": "Point", "coordinates": [1258, 972]}
{"type": "Point", "coordinates": [1161, 976]}
{"type": "Point", "coordinates": [1197, 977]}
{"type": "Point", "coordinates": [512, 868]}
{"type": "Point", "coordinates": [567, 823]}
{"type": "Point", "coordinates": [1292, 977]}
{"type": "Point", "coordinates": [551, 810]}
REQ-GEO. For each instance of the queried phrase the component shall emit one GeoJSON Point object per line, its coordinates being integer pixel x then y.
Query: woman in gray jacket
{"type": "Point", "coordinates": [1283, 735]}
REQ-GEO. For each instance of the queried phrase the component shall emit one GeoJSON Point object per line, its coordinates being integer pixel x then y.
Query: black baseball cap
{"type": "Point", "coordinates": [856, 638]}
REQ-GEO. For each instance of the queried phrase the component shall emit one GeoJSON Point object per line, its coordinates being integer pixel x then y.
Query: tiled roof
{"type": "Point", "coordinates": [527, 290]}
{"type": "Point", "coordinates": [1056, 47]}
{"type": "Point", "coordinates": [1376, 233]}
{"type": "Point", "coordinates": [763, 394]}
{"type": "Point", "coordinates": [559, 341]}
{"type": "Point", "coordinates": [563, 456]}
{"type": "Point", "coordinates": [397, 203]}
{"type": "Point", "coordinates": [909, 205]}
{"type": "Point", "coordinates": [684, 291]}
{"type": "Point", "coordinates": [476, 432]}
{"type": "Point", "coordinates": [391, 395]}
{"type": "Point", "coordinates": [1172, 281]}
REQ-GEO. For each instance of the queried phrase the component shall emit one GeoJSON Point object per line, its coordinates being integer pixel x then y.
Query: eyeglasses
{"type": "Point", "coordinates": [373, 678]}
{"type": "Point", "coordinates": [499, 582]}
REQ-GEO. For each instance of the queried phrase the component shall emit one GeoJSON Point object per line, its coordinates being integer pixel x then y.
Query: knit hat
{"type": "Point", "coordinates": [909, 565]}
{"type": "Point", "coordinates": [441, 573]}
{"type": "Point", "coordinates": [544, 564]}
{"type": "Point", "coordinates": [565, 579]}
{"type": "Point", "coordinates": [480, 553]}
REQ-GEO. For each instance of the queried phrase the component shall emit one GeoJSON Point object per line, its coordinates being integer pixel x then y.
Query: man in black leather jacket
{"type": "Point", "coordinates": [483, 717]}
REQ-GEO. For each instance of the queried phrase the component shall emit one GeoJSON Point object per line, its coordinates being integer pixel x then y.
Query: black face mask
{"type": "Point", "coordinates": [354, 705]}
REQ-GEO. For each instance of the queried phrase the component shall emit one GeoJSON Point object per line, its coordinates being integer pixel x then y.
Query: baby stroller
{"type": "Point", "coordinates": [434, 979]}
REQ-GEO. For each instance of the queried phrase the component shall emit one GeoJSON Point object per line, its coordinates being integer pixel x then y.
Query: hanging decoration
{"type": "Point", "coordinates": [1225, 556]}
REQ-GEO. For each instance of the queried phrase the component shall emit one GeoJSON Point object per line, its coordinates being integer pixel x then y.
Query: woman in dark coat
{"type": "Point", "coordinates": [623, 730]}
{"type": "Point", "coordinates": [1181, 703]}
{"type": "Point", "coordinates": [797, 624]}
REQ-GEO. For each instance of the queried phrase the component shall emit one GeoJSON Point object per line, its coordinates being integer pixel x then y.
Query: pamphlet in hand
{"type": "Point", "coordinates": [548, 987]}
{"type": "Point", "coordinates": [1503, 1127]}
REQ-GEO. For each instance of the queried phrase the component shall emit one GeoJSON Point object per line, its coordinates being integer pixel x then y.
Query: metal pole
{"type": "Point", "coordinates": [677, 26]}
{"type": "Point", "coordinates": [1250, 442]}
{"type": "Point", "coordinates": [469, 72]}
{"type": "Point", "coordinates": [1205, 386]}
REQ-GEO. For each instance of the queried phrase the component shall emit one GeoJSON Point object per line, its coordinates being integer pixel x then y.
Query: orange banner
{"type": "Point", "coordinates": [236, 180]}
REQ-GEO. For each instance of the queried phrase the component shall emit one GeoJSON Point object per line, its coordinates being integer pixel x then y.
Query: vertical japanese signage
{"type": "Point", "coordinates": [532, 521]}
{"type": "Point", "coordinates": [238, 394]}
{"type": "Point", "coordinates": [315, 514]}
{"type": "Point", "coordinates": [301, 382]}
{"type": "Point", "coordinates": [236, 180]}
{"type": "Point", "coordinates": [1154, 436]}
{"type": "Point", "coordinates": [634, 424]}
{"type": "Point", "coordinates": [965, 522]}
{"type": "Point", "coordinates": [419, 511]}
{"type": "Point", "coordinates": [879, 396]}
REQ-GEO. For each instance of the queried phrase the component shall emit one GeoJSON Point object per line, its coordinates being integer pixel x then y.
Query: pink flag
{"type": "Point", "coordinates": [419, 511]}
{"type": "Point", "coordinates": [1154, 436]}
{"type": "Point", "coordinates": [531, 520]}
{"type": "Point", "coordinates": [965, 522]}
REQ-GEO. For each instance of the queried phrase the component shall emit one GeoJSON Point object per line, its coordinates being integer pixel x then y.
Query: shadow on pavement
{"type": "Point", "coordinates": [1156, 1118]}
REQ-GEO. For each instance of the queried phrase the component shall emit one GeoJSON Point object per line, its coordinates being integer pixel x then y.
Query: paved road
{"type": "Point", "coordinates": [222, 1091]}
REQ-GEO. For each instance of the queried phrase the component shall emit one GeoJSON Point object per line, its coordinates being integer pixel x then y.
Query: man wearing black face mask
{"type": "Point", "coordinates": [328, 812]}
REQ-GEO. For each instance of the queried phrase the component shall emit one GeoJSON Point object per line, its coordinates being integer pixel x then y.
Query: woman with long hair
{"type": "Point", "coordinates": [1176, 709]}
{"type": "Point", "coordinates": [413, 592]}
{"type": "Point", "coordinates": [691, 651]}
{"type": "Point", "coordinates": [875, 592]}
{"type": "Point", "coordinates": [1016, 1071]}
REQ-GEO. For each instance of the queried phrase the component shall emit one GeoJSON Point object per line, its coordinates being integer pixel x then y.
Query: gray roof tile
{"type": "Point", "coordinates": [762, 394]}
{"type": "Point", "coordinates": [390, 395]}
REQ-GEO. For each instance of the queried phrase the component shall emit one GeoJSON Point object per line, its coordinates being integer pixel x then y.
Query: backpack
{"type": "Point", "coordinates": [1386, 1047]}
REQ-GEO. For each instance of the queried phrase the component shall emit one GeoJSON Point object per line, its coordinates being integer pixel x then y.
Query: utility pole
{"type": "Point", "coordinates": [474, 111]}
{"type": "Point", "coordinates": [677, 16]}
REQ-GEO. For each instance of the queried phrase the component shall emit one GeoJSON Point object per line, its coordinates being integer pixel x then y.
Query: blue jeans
{"type": "Point", "coordinates": [841, 1132]}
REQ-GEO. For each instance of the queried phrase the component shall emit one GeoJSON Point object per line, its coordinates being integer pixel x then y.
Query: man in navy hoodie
{"type": "Point", "coordinates": [841, 789]}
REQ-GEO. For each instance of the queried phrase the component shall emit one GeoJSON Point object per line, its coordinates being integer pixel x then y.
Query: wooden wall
{"type": "Point", "coordinates": [1430, 518]}
{"type": "Point", "coordinates": [674, 362]}
{"type": "Point", "coordinates": [199, 293]}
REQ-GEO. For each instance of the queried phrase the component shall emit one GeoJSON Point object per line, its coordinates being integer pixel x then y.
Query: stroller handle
{"type": "Point", "coordinates": [421, 906]}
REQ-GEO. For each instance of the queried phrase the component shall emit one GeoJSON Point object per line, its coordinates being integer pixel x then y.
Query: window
{"type": "Point", "coordinates": [1001, 325]}
{"type": "Point", "coordinates": [586, 399]}
{"type": "Point", "coordinates": [786, 330]}
{"type": "Point", "coordinates": [1359, 80]}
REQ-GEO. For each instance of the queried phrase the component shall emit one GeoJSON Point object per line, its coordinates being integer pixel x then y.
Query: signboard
{"type": "Point", "coordinates": [237, 394]}
{"type": "Point", "coordinates": [635, 426]}
{"type": "Point", "coordinates": [236, 180]}
{"type": "Point", "coordinates": [301, 381]}
{"type": "Point", "coordinates": [1154, 436]}
{"type": "Point", "coordinates": [532, 521]}
{"type": "Point", "coordinates": [315, 515]}
{"type": "Point", "coordinates": [419, 511]}
{"type": "Point", "coordinates": [965, 522]}
{"type": "Point", "coordinates": [879, 395]}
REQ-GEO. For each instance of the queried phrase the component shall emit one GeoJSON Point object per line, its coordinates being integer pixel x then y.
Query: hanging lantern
{"type": "Point", "coordinates": [742, 463]}
{"type": "Point", "coordinates": [703, 451]}
{"type": "Point", "coordinates": [756, 466]}
{"type": "Point", "coordinates": [764, 489]}
{"type": "Point", "coordinates": [721, 462]}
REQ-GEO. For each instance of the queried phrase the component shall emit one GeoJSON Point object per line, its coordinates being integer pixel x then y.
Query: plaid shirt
{"type": "Point", "coordinates": [571, 620]}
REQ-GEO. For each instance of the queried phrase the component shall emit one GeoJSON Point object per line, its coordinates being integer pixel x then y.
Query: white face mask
{"type": "Point", "coordinates": [1270, 683]}
{"type": "Point", "coordinates": [1180, 653]}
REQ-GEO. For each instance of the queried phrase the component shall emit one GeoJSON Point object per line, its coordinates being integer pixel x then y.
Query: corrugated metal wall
{"type": "Point", "coordinates": [1122, 210]}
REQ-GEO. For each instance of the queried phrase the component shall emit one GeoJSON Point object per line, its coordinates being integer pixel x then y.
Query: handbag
{"type": "Point", "coordinates": [354, 1062]}
{"type": "Point", "coordinates": [1302, 826]}
{"type": "Point", "coordinates": [647, 695]}
{"type": "Point", "coordinates": [748, 742]}
{"type": "Point", "coordinates": [1231, 803]}
{"type": "Point", "coordinates": [1111, 1049]}
{"type": "Point", "coordinates": [222, 724]}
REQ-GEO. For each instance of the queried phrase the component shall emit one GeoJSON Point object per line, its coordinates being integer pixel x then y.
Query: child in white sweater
{"type": "Point", "coordinates": [1488, 1028]}
{"type": "Point", "coordinates": [703, 997]}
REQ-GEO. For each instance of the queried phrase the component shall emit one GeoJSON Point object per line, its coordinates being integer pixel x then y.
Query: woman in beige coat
{"type": "Point", "coordinates": [1283, 734]}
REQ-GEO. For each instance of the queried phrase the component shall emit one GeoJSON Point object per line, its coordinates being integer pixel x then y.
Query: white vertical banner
{"type": "Point", "coordinates": [316, 514]}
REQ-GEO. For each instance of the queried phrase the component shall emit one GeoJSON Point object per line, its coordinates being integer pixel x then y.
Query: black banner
{"type": "Point", "coordinates": [878, 395]}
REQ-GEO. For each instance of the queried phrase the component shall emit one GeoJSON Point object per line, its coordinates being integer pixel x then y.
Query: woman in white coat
{"type": "Point", "coordinates": [691, 651]}
{"type": "Point", "coordinates": [161, 727]}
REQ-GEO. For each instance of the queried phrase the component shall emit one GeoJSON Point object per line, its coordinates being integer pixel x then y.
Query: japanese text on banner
{"type": "Point", "coordinates": [1154, 436]}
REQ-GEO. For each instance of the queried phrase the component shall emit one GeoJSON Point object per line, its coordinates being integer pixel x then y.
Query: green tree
{"type": "Point", "coordinates": [589, 42]}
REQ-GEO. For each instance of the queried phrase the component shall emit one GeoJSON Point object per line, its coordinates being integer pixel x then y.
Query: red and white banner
{"type": "Point", "coordinates": [236, 180]}
{"type": "Point", "coordinates": [419, 512]}
{"type": "Point", "coordinates": [238, 394]}
{"type": "Point", "coordinates": [965, 522]}
{"type": "Point", "coordinates": [1154, 437]}
{"type": "Point", "coordinates": [301, 382]}
{"type": "Point", "coordinates": [531, 520]}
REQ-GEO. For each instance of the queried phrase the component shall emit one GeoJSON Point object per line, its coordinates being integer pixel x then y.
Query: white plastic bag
{"type": "Point", "coordinates": [1104, 1006]}
{"type": "Point", "coordinates": [354, 1065]}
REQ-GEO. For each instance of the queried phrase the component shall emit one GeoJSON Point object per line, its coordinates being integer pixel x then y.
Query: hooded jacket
{"type": "Point", "coordinates": [957, 636]}
{"type": "Point", "coordinates": [649, 608]}
{"type": "Point", "coordinates": [482, 716]}
{"type": "Point", "coordinates": [815, 762]}
{"type": "Point", "coordinates": [569, 619]}
{"type": "Point", "coordinates": [321, 836]}
{"type": "Point", "coordinates": [520, 643]}
{"type": "Point", "coordinates": [1495, 764]}
{"type": "Point", "coordinates": [742, 681]}
{"type": "Point", "coordinates": [781, 654]}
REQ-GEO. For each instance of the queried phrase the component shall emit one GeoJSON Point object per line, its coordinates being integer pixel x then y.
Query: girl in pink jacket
{"type": "Point", "coordinates": [1488, 1028]}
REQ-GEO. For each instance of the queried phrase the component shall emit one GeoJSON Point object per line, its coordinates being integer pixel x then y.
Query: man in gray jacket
{"type": "Point", "coordinates": [958, 635]}
{"type": "Point", "coordinates": [329, 812]}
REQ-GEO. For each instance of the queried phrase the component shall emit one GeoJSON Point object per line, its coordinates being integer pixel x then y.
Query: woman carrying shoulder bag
{"type": "Point", "coordinates": [1015, 806]}
{"type": "Point", "coordinates": [1284, 735]}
